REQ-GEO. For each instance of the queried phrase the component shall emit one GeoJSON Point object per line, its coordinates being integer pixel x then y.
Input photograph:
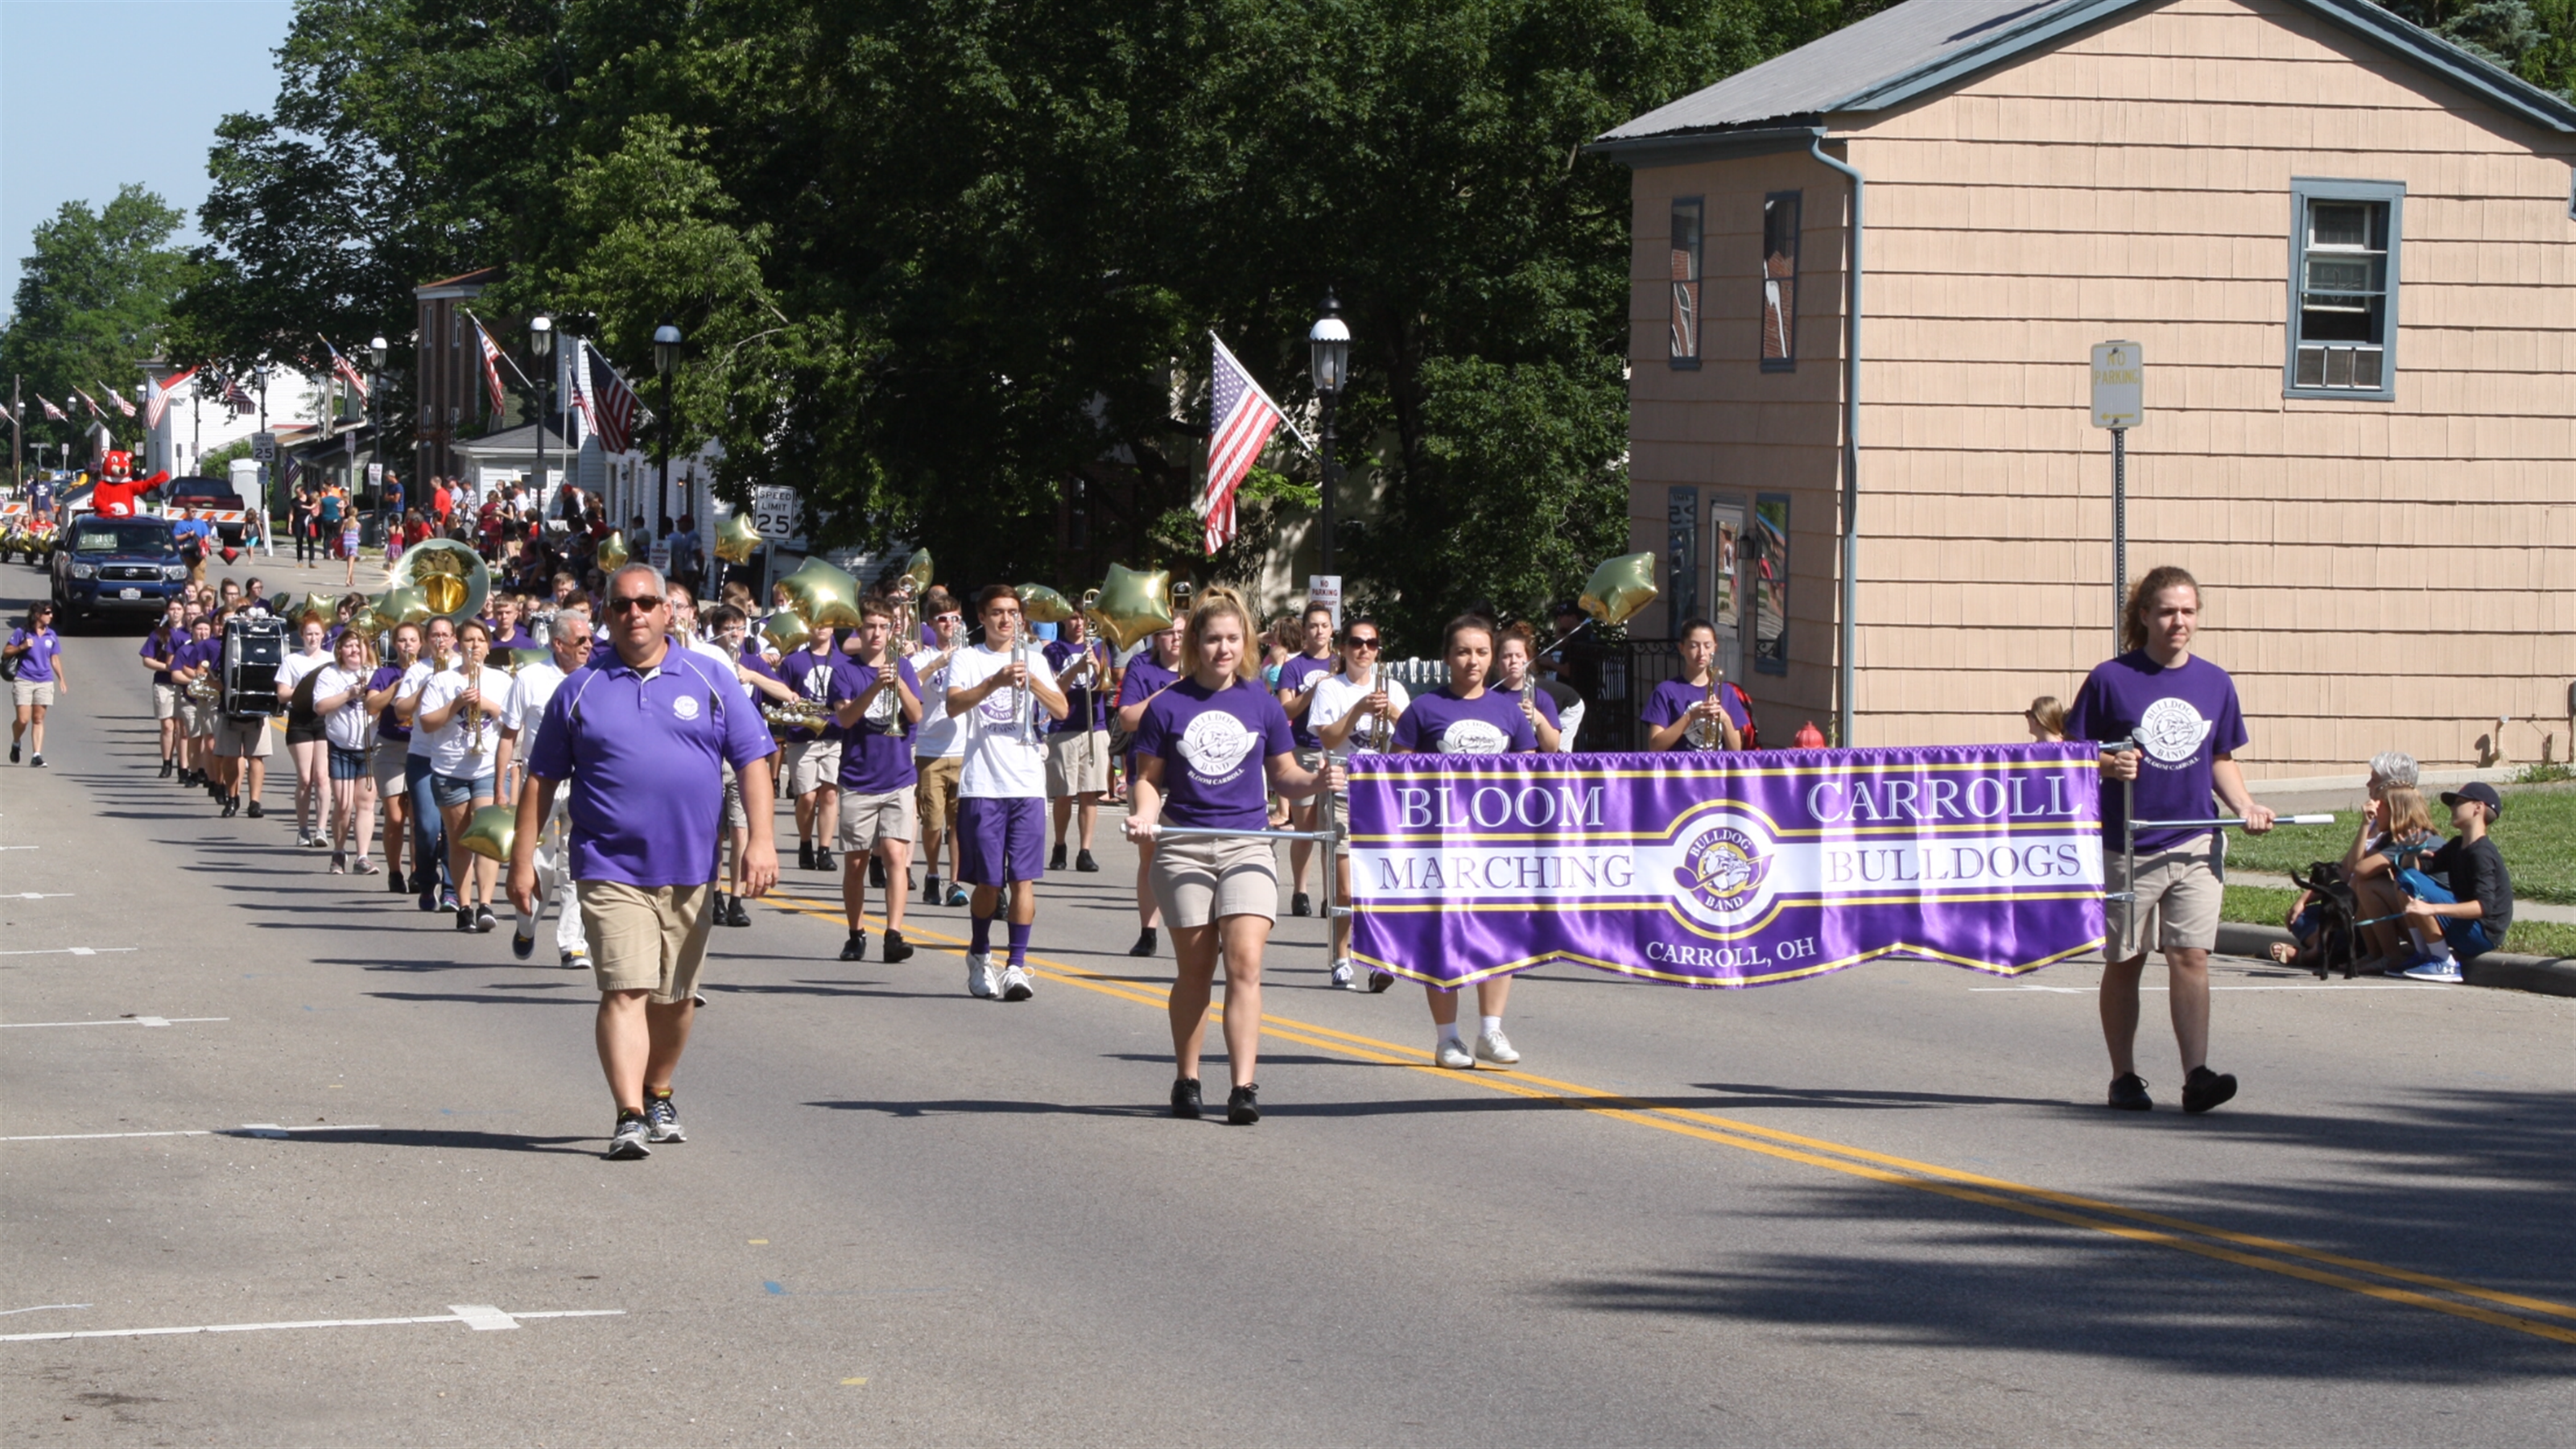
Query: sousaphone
{"type": "Point", "coordinates": [452, 578]}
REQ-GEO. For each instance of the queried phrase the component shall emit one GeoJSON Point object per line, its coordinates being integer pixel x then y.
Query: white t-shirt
{"type": "Point", "coordinates": [1335, 696]}
{"type": "Point", "coordinates": [530, 690]}
{"type": "Point", "coordinates": [292, 669]}
{"type": "Point", "coordinates": [999, 764]}
{"type": "Point", "coordinates": [940, 737]}
{"type": "Point", "coordinates": [414, 680]}
{"type": "Point", "coordinates": [352, 726]}
{"type": "Point", "coordinates": [457, 751]}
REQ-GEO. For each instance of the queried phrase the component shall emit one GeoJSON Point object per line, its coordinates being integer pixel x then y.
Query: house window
{"type": "Point", "coordinates": [1681, 555]}
{"type": "Point", "coordinates": [1766, 546]}
{"type": "Point", "coordinates": [1683, 264]}
{"type": "Point", "coordinates": [1780, 281]}
{"type": "Point", "coordinates": [2343, 288]}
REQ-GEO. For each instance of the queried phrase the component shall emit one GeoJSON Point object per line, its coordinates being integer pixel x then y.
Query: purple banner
{"type": "Point", "coordinates": [1725, 869]}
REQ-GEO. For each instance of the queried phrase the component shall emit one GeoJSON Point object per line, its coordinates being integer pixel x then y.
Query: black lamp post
{"type": "Point", "coordinates": [541, 347]}
{"type": "Point", "coordinates": [666, 356]}
{"type": "Point", "coordinates": [1328, 348]}
{"type": "Point", "coordinates": [375, 424]}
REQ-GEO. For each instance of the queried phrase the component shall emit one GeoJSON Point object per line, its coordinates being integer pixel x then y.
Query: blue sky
{"type": "Point", "coordinates": [95, 93]}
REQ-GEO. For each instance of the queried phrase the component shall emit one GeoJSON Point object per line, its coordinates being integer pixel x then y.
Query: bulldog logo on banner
{"type": "Point", "coordinates": [1725, 870]}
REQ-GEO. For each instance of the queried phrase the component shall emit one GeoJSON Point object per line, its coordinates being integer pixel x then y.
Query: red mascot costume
{"type": "Point", "coordinates": [119, 493]}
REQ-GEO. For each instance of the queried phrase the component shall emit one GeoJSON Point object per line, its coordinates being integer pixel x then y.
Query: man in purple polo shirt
{"type": "Point", "coordinates": [644, 735]}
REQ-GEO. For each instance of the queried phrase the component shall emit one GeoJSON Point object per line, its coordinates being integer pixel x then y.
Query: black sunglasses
{"type": "Point", "coordinates": [1361, 641]}
{"type": "Point", "coordinates": [639, 604]}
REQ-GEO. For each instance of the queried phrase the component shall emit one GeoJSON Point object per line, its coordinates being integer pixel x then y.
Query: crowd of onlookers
{"type": "Point", "coordinates": [527, 541]}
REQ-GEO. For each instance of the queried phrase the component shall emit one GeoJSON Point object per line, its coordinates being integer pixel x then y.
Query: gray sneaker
{"type": "Point", "coordinates": [662, 1121]}
{"type": "Point", "coordinates": [979, 977]}
{"type": "Point", "coordinates": [628, 1140]}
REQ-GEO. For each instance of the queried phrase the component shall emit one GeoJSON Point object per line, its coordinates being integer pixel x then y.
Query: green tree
{"type": "Point", "coordinates": [92, 305]}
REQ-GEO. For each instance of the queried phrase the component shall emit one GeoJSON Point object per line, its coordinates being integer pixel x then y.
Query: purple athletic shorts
{"type": "Point", "coordinates": [1000, 841]}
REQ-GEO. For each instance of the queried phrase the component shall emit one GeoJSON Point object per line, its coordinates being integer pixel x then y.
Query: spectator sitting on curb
{"type": "Point", "coordinates": [2396, 834]}
{"type": "Point", "coordinates": [2475, 910]}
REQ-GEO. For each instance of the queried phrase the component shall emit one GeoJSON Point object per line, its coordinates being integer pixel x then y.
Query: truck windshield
{"type": "Point", "coordinates": [92, 536]}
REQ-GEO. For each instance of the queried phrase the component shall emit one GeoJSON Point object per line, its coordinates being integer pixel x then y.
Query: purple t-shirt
{"type": "Point", "coordinates": [810, 672]}
{"type": "Point", "coordinates": [1296, 677]}
{"type": "Point", "coordinates": [156, 645]}
{"type": "Point", "coordinates": [1672, 699]}
{"type": "Point", "coordinates": [1443, 724]}
{"type": "Point", "coordinates": [1087, 708]}
{"type": "Point", "coordinates": [1142, 678]}
{"type": "Point", "coordinates": [1213, 744]}
{"type": "Point", "coordinates": [389, 726]}
{"type": "Point", "coordinates": [36, 666]}
{"type": "Point", "coordinates": [517, 638]}
{"type": "Point", "coordinates": [876, 754]}
{"type": "Point", "coordinates": [642, 749]}
{"type": "Point", "coordinates": [197, 653]}
{"type": "Point", "coordinates": [2183, 719]}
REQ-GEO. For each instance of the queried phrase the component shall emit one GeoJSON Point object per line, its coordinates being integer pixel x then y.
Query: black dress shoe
{"type": "Point", "coordinates": [855, 948]}
{"type": "Point", "coordinates": [232, 806]}
{"type": "Point", "coordinates": [735, 915]}
{"type": "Point", "coordinates": [823, 858]}
{"type": "Point", "coordinates": [394, 882]}
{"type": "Point", "coordinates": [2205, 1089]}
{"type": "Point", "coordinates": [930, 890]}
{"type": "Point", "coordinates": [1055, 861]}
{"type": "Point", "coordinates": [1243, 1105]}
{"type": "Point", "coordinates": [256, 811]}
{"type": "Point", "coordinates": [1299, 905]}
{"type": "Point", "coordinates": [804, 855]}
{"type": "Point", "coordinates": [169, 767]}
{"type": "Point", "coordinates": [1082, 861]}
{"type": "Point", "coordinates": [2129, 1094]}
{"type": "Point", "coordinates": [1185, 1098]}
{"type": "Point", "coordinates": [1144, 943]}
{"type": "Point", "coordinates": [896, 947]}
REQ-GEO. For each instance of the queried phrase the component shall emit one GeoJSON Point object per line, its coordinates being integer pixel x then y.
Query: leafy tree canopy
{"type": "Point", "coordinates": [93, 303]}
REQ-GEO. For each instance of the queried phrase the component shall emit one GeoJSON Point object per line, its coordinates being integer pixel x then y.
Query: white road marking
{"type": "Point", "coordinates": [40, 896]}
{"type": "Point", "coordinates": [71, 950]}
{"type": "Point", "coordinates": [247, 1129]}
{"type": "Point", "coordinates": [44, 1308]}
{"type": "Point", "coordinates": [119, 1021]}
{"type": "Point", "coordinates": [454, 1315]}
{"type": "Point", "coordinates": [482, 1317]}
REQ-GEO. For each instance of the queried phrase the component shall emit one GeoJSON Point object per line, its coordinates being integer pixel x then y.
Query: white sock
{"type": "Point", "coordinates": [1449, 1032]}
{"type": "Point", "coordinates": [1491, 1024]}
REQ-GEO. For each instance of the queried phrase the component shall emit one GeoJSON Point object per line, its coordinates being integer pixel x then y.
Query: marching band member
{"type": "Point", "coordinates": [307, 743]}
{"type": "Point", "coordinates": [1297, 676]}
{"type": "Point", "coordinates": [1003, 692]}
{"type": "Point", "coordinates": [757, 681]}
{"type": "Point", "coordinates": [158, 647]}
{"type": "Point", "coordinates": [429, 831]}
{"type": "Point", "coordinates": [1554, 711]}
{"type": "Point", "coordinates": [1463, 717]}
{"type": "Point", "coordinates": [939, 748]}
{"type": "Point", "coordinates": [1353, 713]}
{"type": "Point", "coordinates": [459, 715]}
{"type": "Point", "coordinates": [393, 749]}
{"type": "Point", "coordinates": [339, 696]}
{"type": "Point", "coordinates": [1146, 675]}
{"type": "Point", "coordinates": [876, 701]}
{"type": "Point", "coordinates": [641, 736]}
{"type": "Point", "coordinates": [811, 762]}
{"type": "Point", "coordinates": [1207, 745]}
{"type": "Point", "coordinates": [197, 659]}
{"type": "Point", "coordinates": [1078, 744]}
{"type": "Point", "coordinates": [1695, 707]}
{"type": "Point", "coordinates": [522, 719]}
{"type": "Point", "coordinates": [39, 652]}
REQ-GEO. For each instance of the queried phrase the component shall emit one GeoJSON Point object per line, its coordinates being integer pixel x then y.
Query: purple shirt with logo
{"type": "Point", "coordinates": [36, 666]}
{"type": "Point", "coordinates": [1087, 708]}
{"type": "Point", "coordinates": [811, 672]}
{"type": "Point", "coordinates": [1296, 677]}
{"type": "Point", "coordinates": [1213, 744]}
{"type": "Point", "coordinates": [1443, 724]}
{"type": "Point", "coordinates": [389, 725]}
{"type": "Point", "coordinates": [158, 646]}
{"type": "Point", "coordinates": [2183, 719]}
{"type": "Point", "coordinates": [876, 754]}
{"type": "Point", "coordinates": [643, 749]}
{"type": "Point", "coordinates": [1672, 699]}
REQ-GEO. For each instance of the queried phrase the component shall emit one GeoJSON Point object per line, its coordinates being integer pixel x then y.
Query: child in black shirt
{"type": "Point", "coordinates": [2464, 888]}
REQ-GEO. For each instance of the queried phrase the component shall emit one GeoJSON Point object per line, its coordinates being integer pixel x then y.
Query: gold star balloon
{"type": "Point", "coordinates": [317, 606]}
{"type": "Point", "coordinates": [490, 833]}
{"type": "Point", "coordinates": [404, 605]}
{"type": "Point", "coordinates": [612, 553]}
{"type": "Point", "coordinates": [787, 630]}
{"type": "Point", "coordinates": [1042, 605]}
{"type": "Point", "coordinates": [737, 538]}
{"type": "Point", "coordinates": [1133, 603]}
{"type": "Point", "coordinates": [1619, 588]}
{"type": "Point", "coordinates": [826, 596]}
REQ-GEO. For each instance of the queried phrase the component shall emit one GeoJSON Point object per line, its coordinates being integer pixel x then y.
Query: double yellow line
{"type": "Point", "coordinates": [2248, 1250]}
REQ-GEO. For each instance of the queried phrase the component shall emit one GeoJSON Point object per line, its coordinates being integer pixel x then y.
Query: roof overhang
{"type": "Point", "coordinates": [1683, 148]}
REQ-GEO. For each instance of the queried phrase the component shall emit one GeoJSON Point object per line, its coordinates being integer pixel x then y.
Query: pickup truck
{"type": "Point", "coordinates": [194, 495]}
{"type": "Point", "coordinates": [117, 566]}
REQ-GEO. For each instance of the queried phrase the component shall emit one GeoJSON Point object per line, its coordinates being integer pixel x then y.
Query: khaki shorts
{"type": "Point", "coordinates": [243, 738]}
{"type": "Point", "coordinates": [389, 767]}
{"type": "Point", "coordinates": [1077, 764]}
{"type": "Point", "coordinates": [165, 701]}
{"type": "Point", "coordinates": [867, 820]}
{"type": "Point", "coordinates": [198, 718]}
{"type": "Point", "coordinates": [646, 938]}
{"type": "Point", "coordinates": [736, 817]}
{"type": "Point", "coordinates": [812, 764]}
{"type": "Point", "coordinates": [1201, 880]}
{"type": "Point", "coordinates": [2179, 893]}
{"type": "Point", "coordinates": [935, 794]}
{"type": "Point", "coordinates": [33, 692]}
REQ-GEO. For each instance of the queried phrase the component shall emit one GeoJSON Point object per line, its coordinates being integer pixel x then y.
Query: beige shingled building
{"type": "Point", "coordinates": [2347, 251]}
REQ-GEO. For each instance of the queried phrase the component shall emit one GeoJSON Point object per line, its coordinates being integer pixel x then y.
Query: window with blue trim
{"type": "Point", "coordinates": [1684, 265]}
{"type": "Point", "coordinates": [2343, 288]}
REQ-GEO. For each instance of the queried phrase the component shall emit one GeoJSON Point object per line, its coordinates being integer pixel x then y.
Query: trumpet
{"type": "Point", "coordinates": [1381, 726]}
{"type": "Point", "coordinates": [1024, 709]}
{"type": "Point", "coordinates": [1704, 734]}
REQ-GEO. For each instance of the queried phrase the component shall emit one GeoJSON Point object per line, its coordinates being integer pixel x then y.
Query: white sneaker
{"type": "Point", "coordinates": [979, 976]}
{"type": "Point", "coordinates": [1341, 976]}
{"type": "Point", "coordinates": [1453, 1055]}
{"type": "Point", "coordinates": [1495, 1047]}
{"type": "Point", "coordinates": [2443, 970]}
{"type": "Point", "coordinates": [1015, 984]}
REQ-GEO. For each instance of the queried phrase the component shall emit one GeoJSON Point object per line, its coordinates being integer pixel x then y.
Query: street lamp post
{"type": "Point", "coordinates": [541, 346]}
{"type": "Point", "coordinates": [1328, 348]}
{"type": "Point", "coordinates": [376, 425]}
{"type": "Point", "coordinates": [666, 357]}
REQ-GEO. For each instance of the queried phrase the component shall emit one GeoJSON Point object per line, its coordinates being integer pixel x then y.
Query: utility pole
{"type": "Point", "coordinates": [17, 441]}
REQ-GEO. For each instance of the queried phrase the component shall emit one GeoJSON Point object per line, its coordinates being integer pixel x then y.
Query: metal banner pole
{"type": "Point", "coordinates": [2119, 532]}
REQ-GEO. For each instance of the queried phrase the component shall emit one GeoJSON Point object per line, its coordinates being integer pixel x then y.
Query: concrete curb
{"type": "Point", "coordinates": [2544, 975]}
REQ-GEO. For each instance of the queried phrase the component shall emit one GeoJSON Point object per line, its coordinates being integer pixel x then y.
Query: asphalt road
{"type": "Point", "coordinates": [1879, 1207]}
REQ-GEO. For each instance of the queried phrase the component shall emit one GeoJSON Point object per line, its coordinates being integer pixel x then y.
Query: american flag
{"type": "Point", "coordinates": [117, 396]}
{"type": "Point", "coordinates": [607, 401]}
{"type": "Point", "coordinates": [491, 363]}
{"type": "Point", "coordinates": [1241, 423]}
{"type": "Point", "coordinates": [52, 411]}
{"type": "Point", "coordinates": [156, 396]}
{"type": "Point", "coordinates": [94, 409]}
{"type": "Point", "coordinates": [238, 399]}
{"type": "Point", "coordinates": [347, 372]}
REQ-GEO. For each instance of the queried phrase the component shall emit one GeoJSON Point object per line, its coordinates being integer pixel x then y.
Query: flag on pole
{"type": "Point", "coordinates": [1239, 427]}
{"type": "Point", "coordinates": [94, 409]}
{"type": "Point", "coordinates": [238, 399]}
{"type": "Point", "coordinates": [117, 396]}
{"type": "Point", "coordinates": [491, 362]}
{"type": "Point", "coordinates": [347, 372]}
{"type": "Point", "coordinates": [52, 411]}
{"type": "Point", "coordinates": [156, 395]}
{"type": "Point", "coordinates": [609, 403]}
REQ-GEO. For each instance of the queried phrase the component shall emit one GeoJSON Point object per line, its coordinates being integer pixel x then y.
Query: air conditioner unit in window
{"type": "Point", "coordinates": [2358, 368]}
